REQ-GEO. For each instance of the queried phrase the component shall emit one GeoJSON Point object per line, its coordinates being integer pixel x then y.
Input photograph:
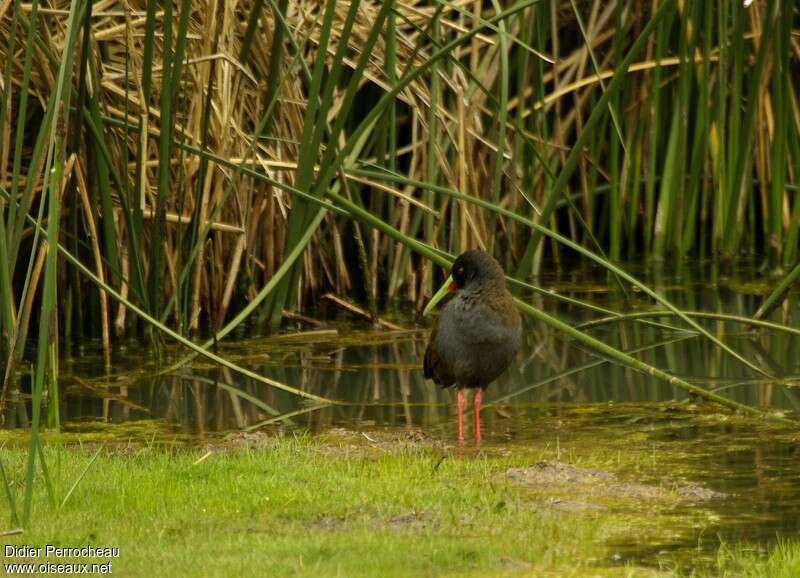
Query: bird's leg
{"type": "Point", "coordinates": [461, 402]}
{"type": "Point", "coordinates": [476, 415]}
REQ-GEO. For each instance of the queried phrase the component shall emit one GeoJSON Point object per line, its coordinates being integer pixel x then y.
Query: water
{"type": "Point", "coordinates": [556, 392]}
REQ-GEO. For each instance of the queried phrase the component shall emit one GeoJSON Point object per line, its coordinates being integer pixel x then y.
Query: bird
{"type": "Point", "coordinates": [477, 335]}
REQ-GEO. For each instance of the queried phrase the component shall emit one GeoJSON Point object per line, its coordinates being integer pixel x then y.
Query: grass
{"type": "Point", "coordinates": [207, 170]}
{"type": "Point", "coordinates": [301, 507]}
{"type": "Point", "coordinates": [384, 503]}
{"type": "Point", "coordinates": [782, 561]}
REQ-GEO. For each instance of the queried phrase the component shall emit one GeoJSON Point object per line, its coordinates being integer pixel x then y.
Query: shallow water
{"type": "Point", "coordinates": [556, 394]}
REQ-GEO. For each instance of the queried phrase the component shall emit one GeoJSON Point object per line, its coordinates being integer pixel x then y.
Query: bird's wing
{"type": "Point", "coordinates": [432, 365]}
{"type": "Point", "coordinates": [431, 358]}
{"type": "Point", "coordinates": [486, 323]}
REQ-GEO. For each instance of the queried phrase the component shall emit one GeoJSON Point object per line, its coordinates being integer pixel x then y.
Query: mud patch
{"type": "Point", "coordinates": [560, 477]}
{"type": "Point", "coordinates": [513, 565]}
{"type": "Point", "coordinates": [411, 519]}
{"type": "Point", "coordinates": [559, 505]}
{"type": "Point", "coordinates": [696, 493]}
{"type": "Point", "coordinates": [330, 523]}
{"type": "Point", "coordinates": [237, 441]}
{"type": "Point", "coordinates": [376, 442]}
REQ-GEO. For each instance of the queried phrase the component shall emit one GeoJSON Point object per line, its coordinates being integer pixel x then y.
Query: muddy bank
{"type": "Point", "coordinates": [590, 489]}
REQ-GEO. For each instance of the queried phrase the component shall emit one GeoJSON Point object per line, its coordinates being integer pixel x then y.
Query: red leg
{"type": "Point", "coordinates": [461, 402]}
{"type": "Point", "coordinates": [476, 416]}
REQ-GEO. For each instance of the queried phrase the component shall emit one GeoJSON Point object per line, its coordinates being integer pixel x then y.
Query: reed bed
{"type": "Point", "coordinates": [197, 164]}
{"type": "Point", "coordinates": [203, 150]}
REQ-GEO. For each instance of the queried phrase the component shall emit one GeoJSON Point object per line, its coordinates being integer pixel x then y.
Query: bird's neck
{"type": "Point", "coordinates": [486, 292]}
{"type": "Point", "coordinates": [495, 298]}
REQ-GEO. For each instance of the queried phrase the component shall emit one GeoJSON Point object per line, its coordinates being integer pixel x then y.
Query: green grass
{"type": "Point", "coordinates": [301, 507]}
{"type": "Point", "coordinates": [491, 126]}
{"type": "Point", "coordinates": [338, 505]}
{"type": "Point", "coordinates": [782, 561]}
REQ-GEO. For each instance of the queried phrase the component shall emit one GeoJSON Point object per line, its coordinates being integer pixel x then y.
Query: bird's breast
{"type": "Point", "coordinates": [476, 342]}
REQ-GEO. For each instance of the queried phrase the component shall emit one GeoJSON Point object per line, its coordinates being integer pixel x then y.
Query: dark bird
{"type": "Point", "coordinates": [477, 335]}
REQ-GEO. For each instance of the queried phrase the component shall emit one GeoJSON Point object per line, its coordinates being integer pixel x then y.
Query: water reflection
{"type": "Point", "coordinates": [375, 373]}
{"type": "Point", "coordinates": [555, 392]}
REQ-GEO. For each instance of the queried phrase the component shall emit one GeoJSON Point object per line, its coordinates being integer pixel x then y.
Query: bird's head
{"type": "Point", "coordinates": [472, 270]}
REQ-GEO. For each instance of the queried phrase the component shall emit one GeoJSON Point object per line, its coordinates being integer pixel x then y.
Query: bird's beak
{"type": "Point", "coordinates": [448, 286]}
